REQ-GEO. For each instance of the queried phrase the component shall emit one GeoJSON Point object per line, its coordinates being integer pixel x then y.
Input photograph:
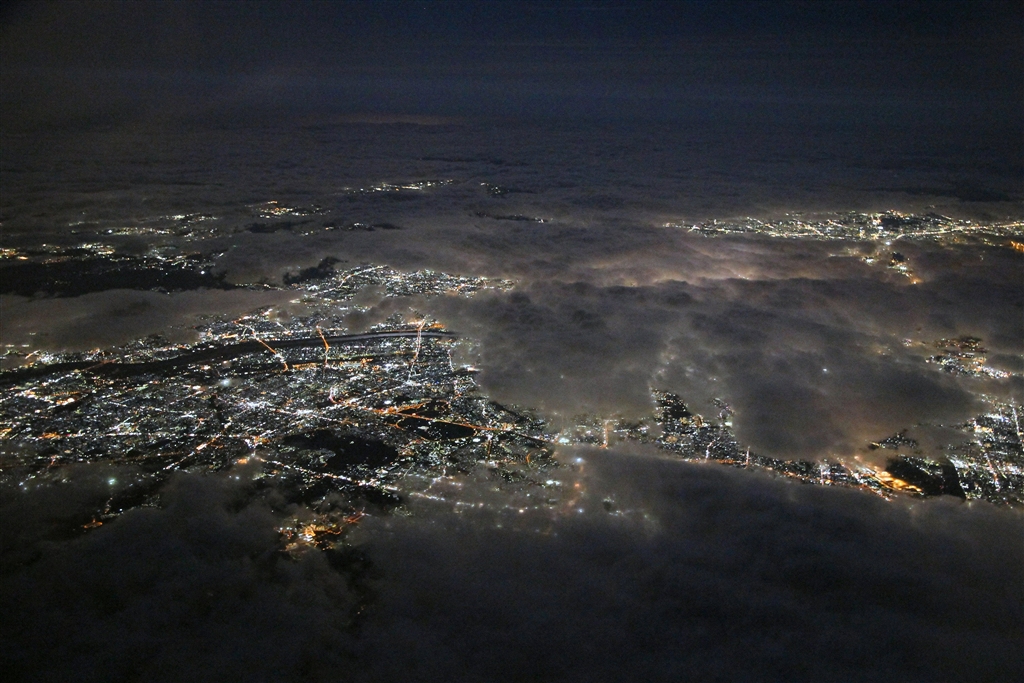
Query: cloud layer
{"type": "Point", "coordinates": [647, 568]}
{"type": "Point", "coordinates": [818, 353]}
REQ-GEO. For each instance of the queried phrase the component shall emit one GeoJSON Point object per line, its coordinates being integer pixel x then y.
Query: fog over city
{"type": "Point", "coordinates": [518, 341]}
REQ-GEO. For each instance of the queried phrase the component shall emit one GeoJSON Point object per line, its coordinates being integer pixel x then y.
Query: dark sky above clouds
{"type": "Point", "coordinates": [536, 59]}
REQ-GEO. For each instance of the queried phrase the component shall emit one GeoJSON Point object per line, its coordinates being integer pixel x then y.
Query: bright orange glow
{"type": "Point", "coordinates": [895, 484]}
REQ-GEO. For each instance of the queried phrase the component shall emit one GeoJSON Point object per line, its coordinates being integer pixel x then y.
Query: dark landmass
{"type": "Point", "coordinates": [73, 277]}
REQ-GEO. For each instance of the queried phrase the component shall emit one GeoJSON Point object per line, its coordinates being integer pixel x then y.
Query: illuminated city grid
{"type": "Point", "coordinates": [372, 417]}
{"type": "Point", "coordinates": [888, 226]}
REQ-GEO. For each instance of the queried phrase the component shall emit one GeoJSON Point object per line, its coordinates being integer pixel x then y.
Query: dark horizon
{"type": "Point", "coordinates": [111, 62]}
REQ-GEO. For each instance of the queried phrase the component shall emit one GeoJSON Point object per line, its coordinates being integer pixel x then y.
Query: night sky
{"type": "Point", "coordinates": [109, 60]}
{"type": "Point", "coordinates": [594, 156]}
